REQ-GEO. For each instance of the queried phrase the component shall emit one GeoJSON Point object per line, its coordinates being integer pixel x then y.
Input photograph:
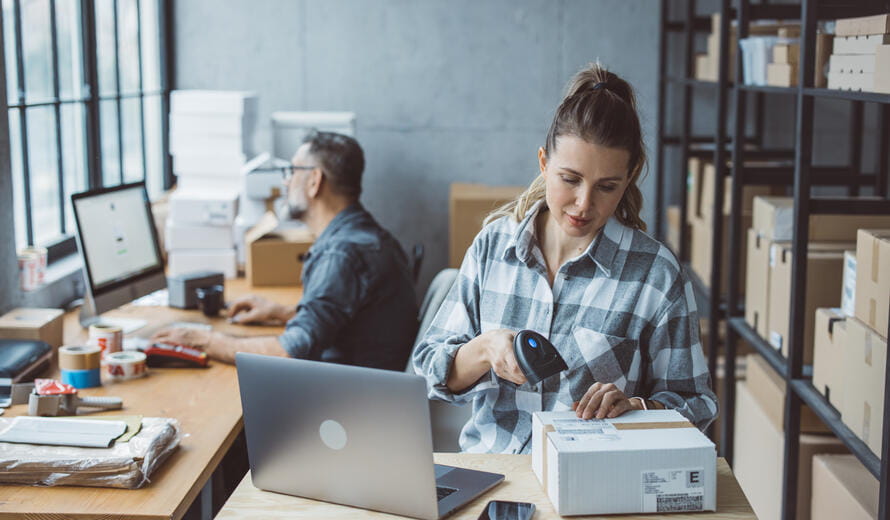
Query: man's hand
{"type": "Point", "coordinates": [195, 338]}
{"type": "Point", "coordinates": [604, 401]}
{"type": "Point", "coordinates": [255, 309]}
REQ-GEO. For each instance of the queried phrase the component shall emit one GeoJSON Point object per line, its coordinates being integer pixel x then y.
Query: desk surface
{"type": "Point", "coordinates": [520, 485]}
{"type": "Point", "coordinates": [205, 401]}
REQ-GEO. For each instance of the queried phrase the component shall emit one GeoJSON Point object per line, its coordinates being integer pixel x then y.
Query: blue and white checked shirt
{"type": "Point", "coordinates": [622, 312]}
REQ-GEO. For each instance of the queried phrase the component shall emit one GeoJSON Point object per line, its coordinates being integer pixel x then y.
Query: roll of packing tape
{"type": "Point", "coordinates": [82, 378]}
{"type": "Point", "coordinates": [108, 338]}
{"type": "Point", "coordinates": [121, 366]}
{"type": "Point", "coordinates": [77, 357]}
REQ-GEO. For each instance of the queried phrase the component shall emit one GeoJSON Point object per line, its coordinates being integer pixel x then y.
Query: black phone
{"type": "Point", "coordinates": [505, 510]}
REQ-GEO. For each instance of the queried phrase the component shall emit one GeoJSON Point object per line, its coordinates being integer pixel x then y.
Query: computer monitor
{"type": "Point", "coordinates": [119, 247]}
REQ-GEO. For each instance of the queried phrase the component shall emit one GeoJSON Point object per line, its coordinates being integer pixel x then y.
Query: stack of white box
{"type": "Point", "coordinates": [856, 43]}
{"type": "Point", "coordinates": [211, 137]}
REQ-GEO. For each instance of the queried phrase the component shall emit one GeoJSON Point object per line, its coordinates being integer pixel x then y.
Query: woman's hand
{"type": "Point", "coordinates": [500, 356]}
{"type": "Point", "coordinates": [604, 401]}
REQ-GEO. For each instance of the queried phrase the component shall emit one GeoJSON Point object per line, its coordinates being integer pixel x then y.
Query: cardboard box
{"type": "Point", "coordinates": [705, 68]}
{"type": "Point", "coordinates": [825, 265]}
{"type": "Point", "coordinates": [786, 53]}
{"type": "Point", "coordinates": [852, 63]}
{"type": "Point", "coordinates": [701, 244]}
{"type": "Point", "coordinates": [882, 69]}
{"type": "Point", "coordinates": [657, 461]}
{"type": "Point", "coordinates": [863, 25]}
{"type": "Point", "coordinates": [757, 282]}
{"type": "Point", "coordinates": [781, 74]}
{"type": "Point", "coordinates": [857, 82]}
{"type": "Point", "coordinates": [767, 387]}
{"type": "Point", "coordinates": [274, 254]}
{"type": "Point", "coordinates": [468, 206]}
{"type": "Point", "coordinates": [759, 457]}
{"type": "Point", "coordinates": [859, 44]}
{"type": "Point", "coordinates": [34, 323]}
{"type": "Point", "coordinates": [829, 344]}
{"type": "Point", "coordinates": [706, 197]}
{"type": "Point", "coordinates": [848, 291]}
{"type": "Point", "coordinates": [864, 368]}
{"type": "Point", "coordinates": [873, 278]}
{"type": "Point", "coordinates": [694, 174]}
{"type": "Point", "coordinates": [774, 219]}
{"type": "Point", "coordinates": [843, 488]}
{"type": "Point", "coordinates": [182, 261]}
{"type": "Point", "coordinates": [204, 207]}
{"type": "Point", "coordinates": [188, 236]}
{"type": "Point", "coordinates": [824, 46]}
{"type": "Point", "coordinates": [674, 223]}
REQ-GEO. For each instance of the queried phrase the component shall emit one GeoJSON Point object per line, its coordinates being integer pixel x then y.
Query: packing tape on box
{"type": "Point", "coordinates": [121, 366]}
{"type": "Point", "coordinates": [80, 357]}
{"type": "Point", "coordinates": [82, 378]}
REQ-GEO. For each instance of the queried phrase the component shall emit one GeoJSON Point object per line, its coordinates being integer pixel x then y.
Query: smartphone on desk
{"type": "Point", "coordinates": [506, 510]}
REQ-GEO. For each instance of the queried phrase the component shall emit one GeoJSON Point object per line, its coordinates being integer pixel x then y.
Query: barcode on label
{"type": "Point", "coordinates": [679, 502]}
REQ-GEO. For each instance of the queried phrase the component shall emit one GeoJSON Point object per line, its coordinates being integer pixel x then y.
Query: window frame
{"type": "Point", "coordinates": [89, 101]}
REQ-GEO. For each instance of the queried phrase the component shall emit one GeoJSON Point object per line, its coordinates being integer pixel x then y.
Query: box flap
{"type": "Point", "coordinates": [266, 225]}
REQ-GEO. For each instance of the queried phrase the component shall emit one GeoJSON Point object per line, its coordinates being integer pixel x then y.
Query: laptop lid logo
{"type": "Point", "coordinates": [332, 434]}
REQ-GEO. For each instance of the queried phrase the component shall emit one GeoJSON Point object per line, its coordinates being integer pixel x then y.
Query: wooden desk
{"type": "Point", "coordinates": [205, 401]}
{"type": "Point", "coordinates": [520, 485]}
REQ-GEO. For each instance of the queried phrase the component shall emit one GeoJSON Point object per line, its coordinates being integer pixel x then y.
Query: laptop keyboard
{"type": "Point", "coordinates": [442, 492]}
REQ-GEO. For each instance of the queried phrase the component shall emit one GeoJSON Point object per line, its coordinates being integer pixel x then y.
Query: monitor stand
{"type": "Point", "coordinates": [88, 317]}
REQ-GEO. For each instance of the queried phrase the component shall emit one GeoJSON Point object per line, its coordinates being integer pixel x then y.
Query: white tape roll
{"type": "Point", "coordinates": [106, 337]}
{"type": "Point", "coordinates": [121, 366]}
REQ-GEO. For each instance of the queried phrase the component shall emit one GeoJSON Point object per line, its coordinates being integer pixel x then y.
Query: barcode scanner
{"type": "Point", "coordinates": [537, 357]}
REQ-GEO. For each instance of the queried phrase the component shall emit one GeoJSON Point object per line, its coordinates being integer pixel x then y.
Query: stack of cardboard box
{"type": "Point", "coordinates": [855, 62]}
{"type": "Point", "coordinates": [468, 205]}
{"type": "Point", "coordinates": [843, 488]}
{"type": "Point", "coordinates": [783, 71]}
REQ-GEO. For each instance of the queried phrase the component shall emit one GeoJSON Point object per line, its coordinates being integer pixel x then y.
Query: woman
{"type": "Point", "coordinates": [570, 259]}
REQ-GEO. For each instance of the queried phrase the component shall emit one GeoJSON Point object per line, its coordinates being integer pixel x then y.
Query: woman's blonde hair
{"type": "Point", "coordinates": [599, 107]}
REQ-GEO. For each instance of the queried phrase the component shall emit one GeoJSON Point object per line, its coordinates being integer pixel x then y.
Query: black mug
{"type": "Point", "coordinates": [210, 299]}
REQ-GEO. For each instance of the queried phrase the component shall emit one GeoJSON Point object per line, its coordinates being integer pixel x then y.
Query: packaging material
{"type": "Point", "coordinates": [863, 26]}
{"type": "Point", "coordinates": [873, 278]}
{"type": "Point", "coordinates": [864, 368]}
{"type": "Point", "coordinates": [781, 75]}
{"type": "Point", "coordinates": [187, 236]}
{"type": "Point", "coordinates": [274, 253]}
{"type": "Point", "coordinates": [701, 245]}
{"type": "Point", "coordinates": [843, 488]}
{"type": "Point", "coordinates": [33, 323]}
{"type": "Point", "coordinates": [125, 465]}
{"type": "Point", "coordinates": [183, 261]}
{"type": "Point", "coordinates": [774, 219]}
{"type": "Point", "coordinates": [674, 223]}
{"type": "Point", "coordinates": [882, 69]}
{"type": "Point", "coordinates": [830, 342]}
{"type": "Point", "coordinates": [204, 207]}
{"type": "Point", "coordinates": [825, 264]}
{"type": "Point", "coordinates": [767, 387]}
{"type": "Point", "coordinates": [848, 292]}
{"type": "Point", "coordinates": [757, 282]}
{"type": "Point", "coordinates": [756, 53]}
{"type": "Point", "coordinates": [758, 460]}
{"type": "Point", "coordinates": [657, 460]}
{"type": "Point", "coordinates": [468, 206]}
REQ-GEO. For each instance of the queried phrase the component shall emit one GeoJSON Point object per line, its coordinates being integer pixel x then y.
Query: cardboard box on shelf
{"type": "Point", "coordinates": [701, 245]}
{"type": "Point", "coordinates": [767, 387]}
{"type": "Point", "coordinates": [182, 261]}
{"type": "Point", "coordinates": [773, 217]}
{"type": "Point", "coordinates": [203, 207]}
{"type": "Point", "coordinates": [843, 488]}
{"type": "Point", "coordinates": [757, 282]}
{"type": "Point", "coordinates": [864, 368]}
{"type": "Point", "coordinates": [274, 254]}
{"type": "Point", "coordinates": [33, 323]}
{"type": "Point", "coordinates": [825, 265]}
{"type": "Point", "coordinates": [758, 460]}
{"type": "Point", "coordinates": [848, 293]}
{"type": "Point", "coordinates": [674, 223]}
{"type": "Point", "coordinates": [694, 173]}
{"type": "Point", "coordinates": [852, 63]}
{"type": "Point", "coordinates": [468, 206]}
{"type": "Point", "coordinates": [882, 69]}
{"type": "Point", "coordinates": [188, 236]}
{"type": "Point", "coordinates": [860, 44]}
{"type": "Point", "coordinates": [863, 25]}
{"type": "Point", "coordinates": [781, 74]}
{"type": "Point", "coordinates": [786, 53]}
{"type": "Point", "coordinates": [856, 82]}
{"type": "Point", "coordinates": [873, 278]}
{"type": "Point", "coordinates": [676, 461]}
{"type": "Point", "coordinates": [824, 46]}
{"type": "Point", "coordinates": [829, 343]}
{"type": "Point", "coordinates": [705, 68]}
{"type": "Point", "coordinates": [706, 196]}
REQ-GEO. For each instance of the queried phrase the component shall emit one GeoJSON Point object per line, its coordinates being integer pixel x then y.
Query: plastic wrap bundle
{"type": "Point", "coordinates": [124, 465]}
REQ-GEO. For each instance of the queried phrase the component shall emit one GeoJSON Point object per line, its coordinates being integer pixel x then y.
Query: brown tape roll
{"type": "Point", "coordinates": [77, 357]}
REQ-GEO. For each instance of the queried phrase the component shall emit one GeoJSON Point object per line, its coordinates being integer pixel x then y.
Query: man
{"type": "Point", "coordinates": [358, 304]}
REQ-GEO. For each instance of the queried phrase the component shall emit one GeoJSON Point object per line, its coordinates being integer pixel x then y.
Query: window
{"type": "Point", "coordinates": [86, 99]}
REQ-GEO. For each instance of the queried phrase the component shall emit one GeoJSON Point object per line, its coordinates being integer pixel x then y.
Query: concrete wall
{"type": "Point", "coordinates": [445, 91]}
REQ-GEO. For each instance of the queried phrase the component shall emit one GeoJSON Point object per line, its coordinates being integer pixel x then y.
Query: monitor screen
{"type": "Point", "coordinates": [117, 236]}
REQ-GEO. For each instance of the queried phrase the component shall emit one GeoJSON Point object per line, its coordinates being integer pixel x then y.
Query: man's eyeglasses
{"type": "Point", "coordinates": [286, 171]}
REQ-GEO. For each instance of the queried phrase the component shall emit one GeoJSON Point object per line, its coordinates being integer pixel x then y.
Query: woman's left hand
{"type": "Point", "coordinates": [604, 400]}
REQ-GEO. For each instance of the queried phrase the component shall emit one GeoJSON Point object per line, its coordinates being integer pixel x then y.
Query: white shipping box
{"type": "Point", "coordinates": [207, 182]}
{"type": "Point", "coordinates": [227, 125]}
{"type": "Point", "coordinates": [851, 63]}
{"type": "Point", "coordinates": [181, 143]}
{"type": "Point", "coordinates": [223, 163]}
{"type": "Point", "coordinates": [859, 44]}
{"type": "Point", "coordinates": [204, 207]}
{"type": "Point", "coordinates": [215, 102]}
{"type": "Point", "coordinates": [184, 261]}
{"type": "Point", "coordinates": [187, 236]}
{"type": "Point", "coordinates": [848, 293]}
{"type": "Point", "coordinates": [641, 462]}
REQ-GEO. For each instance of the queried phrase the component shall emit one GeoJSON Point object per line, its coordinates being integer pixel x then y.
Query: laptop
{"type": "Point", "coordinates": [349, 435]}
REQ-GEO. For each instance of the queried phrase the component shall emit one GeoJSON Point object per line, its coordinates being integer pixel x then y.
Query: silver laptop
{"type": "Point", "coordinates": [348, 435]}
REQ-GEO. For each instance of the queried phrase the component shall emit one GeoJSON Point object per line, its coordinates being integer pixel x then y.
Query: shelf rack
{"type": "Point", "coordinates": [801, 177]}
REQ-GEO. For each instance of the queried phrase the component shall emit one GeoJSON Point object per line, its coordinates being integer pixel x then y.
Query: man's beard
{"type": "Point", "coordinates": [297, 205]}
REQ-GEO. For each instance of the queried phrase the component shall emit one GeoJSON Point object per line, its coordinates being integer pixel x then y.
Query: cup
{"type": "Point", "coordinates": [210, 299]}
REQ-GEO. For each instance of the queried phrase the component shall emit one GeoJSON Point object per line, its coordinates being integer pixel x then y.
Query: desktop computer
{"type": "Point", "coordinates": [119, 247]}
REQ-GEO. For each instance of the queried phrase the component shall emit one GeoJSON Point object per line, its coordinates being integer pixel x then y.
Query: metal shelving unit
{"type": "Point", "coordinates": [801, 177]}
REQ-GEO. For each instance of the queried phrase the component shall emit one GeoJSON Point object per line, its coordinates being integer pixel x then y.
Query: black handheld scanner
{"type": "Point", "coordinates": [537, 357]}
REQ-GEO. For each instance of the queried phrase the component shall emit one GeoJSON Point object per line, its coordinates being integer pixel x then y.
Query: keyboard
{"type": "Point", "coordinates": [442, 492]}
